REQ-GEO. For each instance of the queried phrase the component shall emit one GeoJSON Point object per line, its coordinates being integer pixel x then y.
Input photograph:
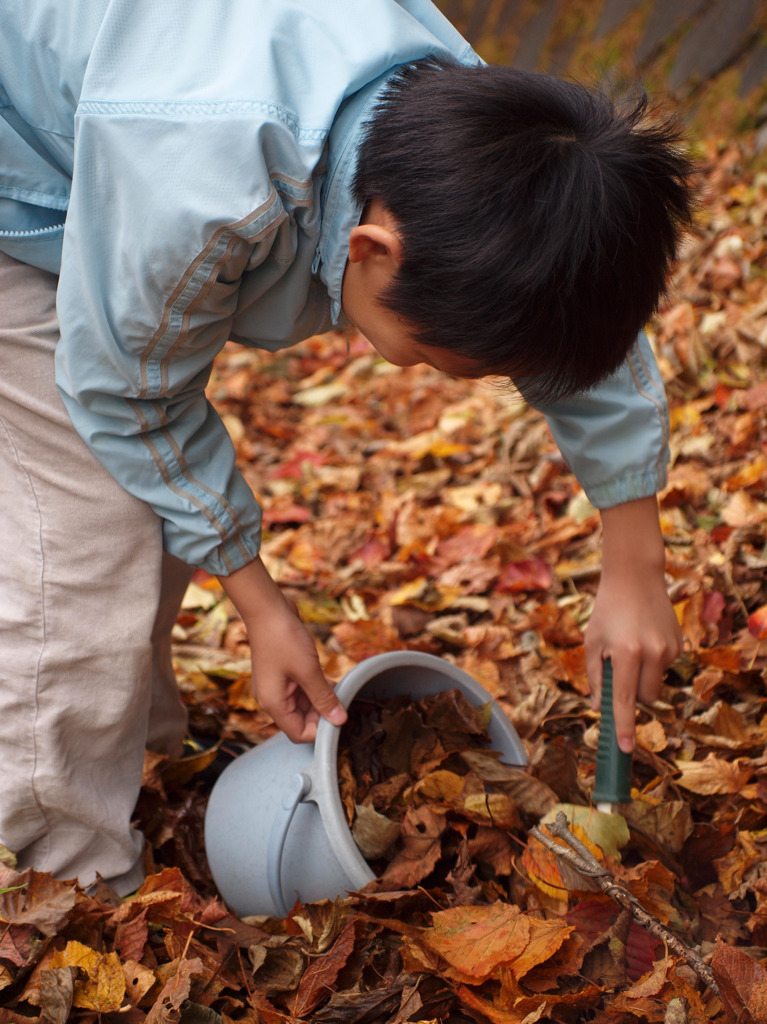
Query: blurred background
{"type": "Point", "coordinates": [708, 56]}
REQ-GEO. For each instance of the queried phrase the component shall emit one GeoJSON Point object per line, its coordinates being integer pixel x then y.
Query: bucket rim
{"type": "Point", "coordinates": [325, 790]}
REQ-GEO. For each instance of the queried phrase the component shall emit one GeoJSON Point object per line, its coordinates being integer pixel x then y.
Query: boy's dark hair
{"type": "Point", "coordinates": [539, 222]}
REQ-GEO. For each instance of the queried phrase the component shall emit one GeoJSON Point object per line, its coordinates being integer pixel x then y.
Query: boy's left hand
{"type": "Point", "coordinates": [633, 621]}
{"type": "Point", "coordinates": [288, 681]}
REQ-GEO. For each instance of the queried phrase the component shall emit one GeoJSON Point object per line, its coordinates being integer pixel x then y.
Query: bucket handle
{"type": "Point", "coordinates": [298, 787]}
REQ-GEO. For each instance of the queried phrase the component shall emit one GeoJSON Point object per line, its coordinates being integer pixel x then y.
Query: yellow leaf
{"type": "Point", "coordinates": [750, 473]}
{"type": "Point", "coordinates": [470, 497]}
{"type": "Point", "coordinates": [687, 415]}
{"type": "Point", "coordinates": [440, 786]}
{"type": "Point", "coordinates": [234, 427]}
{"type": "Point", "coordinates": [711, 323]}
{"type": "Point", "coordinates": [496, 809]}
{"type": "Point", "coordinates": [321, 609]}
{"type": "Point", "coordinates": [652, 736]}
{"type": "Point", "coordinates": [7, 857]}
{"type": "Point", "coordinates": [101, 982]}
{"type": "Point", "coordinates": [429, 442]}
{"type": "Point", "coordinates": [305, 555]}
{"type": "Point", "coordinates": [423, 593]}
{"type": "Point", "coordinates": [322, 394]}
{"type": "Point", "coordinates": [601, 832]}
{"type": "Point", "coordinates": [199, 597]}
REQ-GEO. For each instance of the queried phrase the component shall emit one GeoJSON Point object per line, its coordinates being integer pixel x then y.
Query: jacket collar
{"type": "Point", "coordinates": [340, 212]}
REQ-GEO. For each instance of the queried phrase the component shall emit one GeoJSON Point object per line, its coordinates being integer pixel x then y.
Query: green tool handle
{"type": "Point", "coordinates": [613, 778]}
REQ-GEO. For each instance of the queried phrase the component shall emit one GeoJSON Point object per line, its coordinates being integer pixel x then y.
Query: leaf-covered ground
{"type": "Point", "coordinates": [405, 509]}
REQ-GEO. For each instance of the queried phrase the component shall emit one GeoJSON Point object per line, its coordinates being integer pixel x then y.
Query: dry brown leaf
{"type": "Point", "coordinates": [714, 775]}
{"type": "Point", "coordinates": [167, 1007]}
{"type": "Point", "coordinates": [373, 833]}
{"type": "Point", "coordinates": [56, 995]}
{"type": "Point", "coordinates": [35, 899]}
{"type": "Point", "coordinates": [138, 980]}
{"type": "Point", "coordinates": [742, 983]}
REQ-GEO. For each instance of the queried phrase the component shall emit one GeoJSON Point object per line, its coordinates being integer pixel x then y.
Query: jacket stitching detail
{"type": "Point", "coordinates": [218, 239]}
{"type": "Point", "coordinates": [184, 468]}
{"type": "Point", "coordinates": [183, 331]}
{"type": "Point", "coordinates": [50, 200]}
{"type": "Point", "coordinates": [632, 356]}
{"type": "Point", "coordinates": [202, 108]}
{"type": "Point", "coordinates": [167, 477]}
{"type": "Point", "coordinates": [164, 472]}
{"type": "Point", "coordinates": [188, 276]}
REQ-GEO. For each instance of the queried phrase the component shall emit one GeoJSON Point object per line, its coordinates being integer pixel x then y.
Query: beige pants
{"type": "Point", "coordinates": [87, 600]}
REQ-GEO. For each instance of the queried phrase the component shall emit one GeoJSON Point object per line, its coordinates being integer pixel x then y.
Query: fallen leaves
{"type": "Point", "coordinates": [757, 623]}
{"type": "Point", "coordinates": [713, 775]}
{"type": "Point", "coordinates": [426, 803]}
{"type": "Point", "coordinates": [98, 978]}
{"type": "Point", "coordinates": [31, 900]}
{"type": "Point", "coordinates": [742, 983]}
{"type": "Point", "coordinates": [474, 942]}
{"type": "Point", "coordinates": [405, 509]}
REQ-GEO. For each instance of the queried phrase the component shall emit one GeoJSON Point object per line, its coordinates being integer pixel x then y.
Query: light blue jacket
{"type": "Point", "coordinates": [185, 167]}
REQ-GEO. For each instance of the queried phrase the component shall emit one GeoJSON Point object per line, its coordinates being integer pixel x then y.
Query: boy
{"type": "Point", "coordinates": [171, 178]}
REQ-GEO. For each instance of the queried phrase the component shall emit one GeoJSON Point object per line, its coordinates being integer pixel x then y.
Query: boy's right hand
{"type": "Point", "coordinates": [287, 679]}
{"type": "Point", "coordinates": [633, 622]}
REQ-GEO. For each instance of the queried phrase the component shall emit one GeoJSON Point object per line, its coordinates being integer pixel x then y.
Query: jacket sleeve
{"type": "Point", "coordinates": [615, 437]}
{"type": "Point", "coordinates": [151, 268]}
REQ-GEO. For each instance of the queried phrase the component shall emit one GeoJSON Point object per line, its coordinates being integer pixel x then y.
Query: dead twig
{"type": "Point", "coordinates": [581, 858]}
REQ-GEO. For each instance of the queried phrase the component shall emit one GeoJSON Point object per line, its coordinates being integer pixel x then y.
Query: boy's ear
{"type": "Point", "coordinates": [375, 242]}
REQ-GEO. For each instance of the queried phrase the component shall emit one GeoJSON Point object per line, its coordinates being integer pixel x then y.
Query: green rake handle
{"type": "Point", "coordinates": [613, 776]}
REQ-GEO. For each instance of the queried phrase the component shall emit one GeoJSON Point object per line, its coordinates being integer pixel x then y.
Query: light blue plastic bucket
{"type": "Point", "coordinates": [275, 828]}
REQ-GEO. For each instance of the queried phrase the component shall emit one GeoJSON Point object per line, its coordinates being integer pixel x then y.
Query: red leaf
{"type": "Point", "coordinates": [713, 607]}
{"type": "Point", "coordinates": [18, 944]}
{"type": "Point", "coordinates": [280, 512]}
{"type": "Point", "coordinates": [293, 469]}
{"type": "Point", "coordinates": [594, 917]}
{"type": "Point", "coordinates": [757, 623]}
{"type": "Point", "coordinates": [529, 574]}
{"type": "Point", "coordinates": [321, 974]}
{"type": "Point", "coordinates": [722, 395]}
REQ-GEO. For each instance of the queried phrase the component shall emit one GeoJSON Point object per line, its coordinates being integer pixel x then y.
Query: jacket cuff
{"type": "Point", "coordinates": [230, 556]}
{"type": "Point", "coordinates": [630, 487]}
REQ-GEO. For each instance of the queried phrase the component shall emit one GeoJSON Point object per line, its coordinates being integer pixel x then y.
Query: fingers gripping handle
{"type": "Point", "coordinates": [613, 776]}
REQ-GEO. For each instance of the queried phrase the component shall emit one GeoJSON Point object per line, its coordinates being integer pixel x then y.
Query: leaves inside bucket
{"type": "Point", "coordinates": [425, 797]}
